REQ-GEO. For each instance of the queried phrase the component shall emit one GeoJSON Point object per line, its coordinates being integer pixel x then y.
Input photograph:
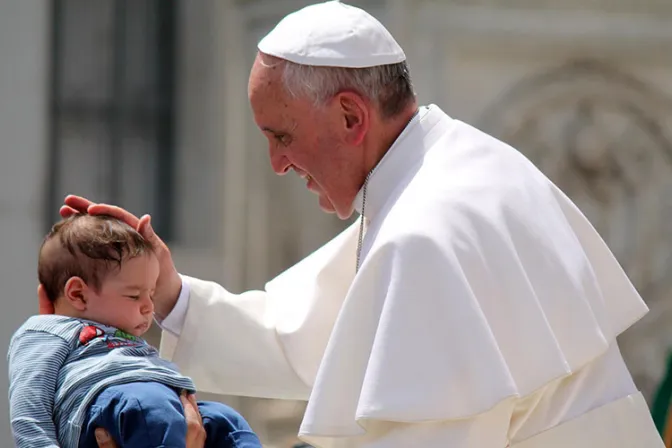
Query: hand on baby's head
{"type": "Point", "coordinates": [98, 268]}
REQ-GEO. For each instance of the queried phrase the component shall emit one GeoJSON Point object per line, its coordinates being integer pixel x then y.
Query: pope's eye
{"type": "Point", "coordinates": [282, 138]}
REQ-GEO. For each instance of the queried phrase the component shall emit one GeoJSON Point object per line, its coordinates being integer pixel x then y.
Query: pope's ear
{"type": "Point", "coordinates": [75, 293]}
{"type": "Point", "coordinates": [355, 113]}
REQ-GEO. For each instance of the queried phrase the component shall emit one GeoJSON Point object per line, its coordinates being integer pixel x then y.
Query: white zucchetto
{"type": "Point", "coordinates": [332, 34]}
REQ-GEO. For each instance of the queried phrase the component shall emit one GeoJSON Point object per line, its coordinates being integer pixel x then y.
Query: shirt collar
{"type": "Point", "coordinates": [411, 145]}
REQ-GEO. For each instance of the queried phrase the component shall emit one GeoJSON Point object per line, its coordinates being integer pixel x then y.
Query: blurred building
{"type": "Point", "coordinates": [143, 103]}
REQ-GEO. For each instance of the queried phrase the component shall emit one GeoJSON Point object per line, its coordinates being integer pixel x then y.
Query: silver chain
{"type": "Point", "coordinates": [361, 222]}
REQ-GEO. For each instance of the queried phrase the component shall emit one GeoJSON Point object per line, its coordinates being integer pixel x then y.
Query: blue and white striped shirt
{"type": "Point", "coordinates": [57, 366]}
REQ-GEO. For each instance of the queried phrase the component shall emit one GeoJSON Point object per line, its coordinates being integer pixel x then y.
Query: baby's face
{"type": "Point", "coordinates": [125, 297]}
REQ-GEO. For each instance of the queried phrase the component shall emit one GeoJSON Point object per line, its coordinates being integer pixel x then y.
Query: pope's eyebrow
{"type": "Point", "coordinates": [279, 132]}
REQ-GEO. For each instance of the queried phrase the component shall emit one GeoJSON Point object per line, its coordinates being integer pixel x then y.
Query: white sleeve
{"type": "Point", "coordinates": [265, 343]}
{"type": "Point", "coordinates": [229, 345]}
{"type": "Point", "coordinates": [175, 320]}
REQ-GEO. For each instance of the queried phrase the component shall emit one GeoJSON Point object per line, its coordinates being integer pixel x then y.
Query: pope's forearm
{"type": "Point", "coordinates": [165, 304]}
{"type": "Point", "coordinates": [228, 345]}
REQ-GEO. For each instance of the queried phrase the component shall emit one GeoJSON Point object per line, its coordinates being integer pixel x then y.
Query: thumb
{"type": "Point", "coordinates": [145, 229]}
{"type": "Point", "coordinates": [104, 440]}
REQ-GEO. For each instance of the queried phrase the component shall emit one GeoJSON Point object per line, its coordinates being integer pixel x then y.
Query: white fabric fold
{"type": "Point", "coordinates": [623, 423]}
{"type": "Point", "coordinates": [480, 282]}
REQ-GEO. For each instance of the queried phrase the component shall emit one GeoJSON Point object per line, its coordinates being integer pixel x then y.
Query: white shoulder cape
{"type": "Point", "coordinates": [481, 281]}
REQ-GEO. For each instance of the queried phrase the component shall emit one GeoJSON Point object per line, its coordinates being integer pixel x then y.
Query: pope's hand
{"type": "Point", "coordinates": [169, 283]}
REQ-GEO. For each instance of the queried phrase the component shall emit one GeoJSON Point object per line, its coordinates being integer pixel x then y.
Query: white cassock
{"type": "Point", "coordinates": [485, 313]}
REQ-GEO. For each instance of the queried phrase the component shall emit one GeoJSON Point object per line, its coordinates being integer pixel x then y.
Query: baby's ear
{"type": "Point", "coordinates": [75, 293]}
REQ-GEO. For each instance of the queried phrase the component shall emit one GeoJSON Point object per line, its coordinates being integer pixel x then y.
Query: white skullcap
{"type": "Point", "coordinates": [332, 34]}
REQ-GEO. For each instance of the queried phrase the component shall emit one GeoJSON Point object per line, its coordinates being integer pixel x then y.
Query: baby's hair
{"type": "Point", "coordinates": [89, 247]}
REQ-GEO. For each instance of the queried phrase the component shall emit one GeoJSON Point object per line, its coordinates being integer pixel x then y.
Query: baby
{"type": "Point", "coordinates": [86, 366]}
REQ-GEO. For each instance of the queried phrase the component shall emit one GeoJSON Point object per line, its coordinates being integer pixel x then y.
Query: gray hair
{"type": "Point", "coordinates": [388, 86]}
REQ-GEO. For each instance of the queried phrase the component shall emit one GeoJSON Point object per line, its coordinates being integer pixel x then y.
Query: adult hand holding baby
{"type": "Point", "coordinates": [195, 431]}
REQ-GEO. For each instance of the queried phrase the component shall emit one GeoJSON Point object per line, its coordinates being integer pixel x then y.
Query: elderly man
{"type": "Point", "coordinates": [472, 306]}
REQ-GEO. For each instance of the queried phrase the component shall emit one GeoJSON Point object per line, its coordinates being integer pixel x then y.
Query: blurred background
{"type": "Point", "coordinates": [143, 103]}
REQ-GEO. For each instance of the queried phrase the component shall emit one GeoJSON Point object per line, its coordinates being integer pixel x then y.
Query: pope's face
{"type": "Point", "coordinates": [313, 142]}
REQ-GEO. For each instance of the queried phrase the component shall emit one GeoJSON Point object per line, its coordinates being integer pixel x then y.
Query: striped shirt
{"type": "Point", "coordinates": [57, 366]}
